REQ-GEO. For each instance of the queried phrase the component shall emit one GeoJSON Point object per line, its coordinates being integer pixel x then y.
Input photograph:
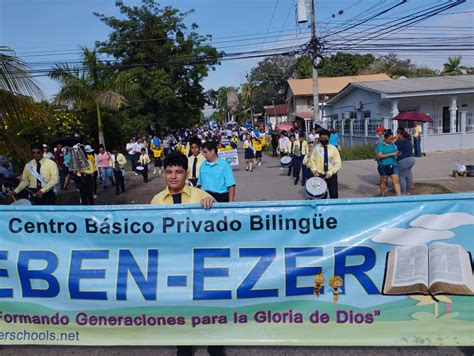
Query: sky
{"type": "Point", "coordinates": [52, 30]}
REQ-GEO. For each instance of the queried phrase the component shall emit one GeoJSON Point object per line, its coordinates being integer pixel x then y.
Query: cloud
{"type": "Point", "coordinates": [409, 237]}
{"type": "Point", "coordinates": [443, 221]}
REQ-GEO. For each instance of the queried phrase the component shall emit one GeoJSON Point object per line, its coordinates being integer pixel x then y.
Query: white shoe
{"type": "Point", "coordinates": [135, 173]}
{"type": "Point", "coordinates": [154, 171]}
{"type": "Point", "coordinates": [259, 164]}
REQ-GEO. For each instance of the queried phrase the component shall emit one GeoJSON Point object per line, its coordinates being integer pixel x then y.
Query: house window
{"type": "Point", "coordinates": [367, 114]}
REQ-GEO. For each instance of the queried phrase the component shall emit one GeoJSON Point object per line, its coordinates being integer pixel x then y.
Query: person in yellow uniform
{"type": "Point", "coordinates": [306, 171]}
{"type": "Point", "coordinates": [178, 192]}
{"type": "Point", "coordinates": [417, 133]}
{"type": "Point", "coordinates": [249, 153]}
{"type": "Point", "coordinates": [257, 143]}
{"type": "Point", "coordinates": [119, 161]}
{"type": "Point", "coordinates": [299, 151]}
{"type": "Point", "coordinates": [143, 161]}
{"type": "Point", "coordinates": [85, 183]}
{"type": "Point", "coordinates": [39, 177]}
{"type": "Point", "coordinates": [289, 149]}
{"type": "Point", "coordinates": [325, 162]}
{"type": "Point", "coordinates": [157, 154]}
{"type": "Point", "coordinates": [195, 160]}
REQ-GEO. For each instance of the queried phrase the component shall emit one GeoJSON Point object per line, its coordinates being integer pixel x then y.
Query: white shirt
{"type": "Point", "coordinates": [138, 147]}
{"type": "Point", "coordinates": [130, 148]}
{"type": "Point", "coordinates": [282, 143]}
{"type": "Point", "coordinates": [313, 137]}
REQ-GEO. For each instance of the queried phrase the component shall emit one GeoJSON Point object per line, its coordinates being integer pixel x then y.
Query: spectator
{"type": "Point", "coordinates": [405, 160]}
{"type": "Point", "coordinates": [387, 154]}
{"type": "Point", "coordinates": [105, 165]}
{"type": "Point", "coordinates": [131, 154]}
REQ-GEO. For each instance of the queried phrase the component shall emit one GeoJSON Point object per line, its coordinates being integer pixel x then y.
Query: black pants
{"type": "Point", "coordinates": [306, 174]}
{"type": "Point", "coordinates": [85, 184]}
{"type": "Point", "coordinates": [188, 350]}
{"type": "Point", "coordinates": [119, 181]}
{"type": "Point", "coordinates": [145, 173]}
{"type": "Point", "coordinates": [332, 187]}
{"type": "Point", "coordinates": [274, 151]}
{"type": "Point", "coordinates": [297, 162]}
{"type": "Point", "coordinates": [94, 182]}
{"type": "Point", "coordinates": [48, 198]}
{"type": "Point", "coordinates": [220, 197]}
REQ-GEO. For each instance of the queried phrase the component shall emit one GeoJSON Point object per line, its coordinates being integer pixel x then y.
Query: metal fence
{"type": "Point", "coordinates": [436, 126]}
{"type": "Point", "coordinates": [469, 122]}
{"type": "Point", "coordinates": [358, 128]}
{"type": "Point", "coordinates": [372, 125]}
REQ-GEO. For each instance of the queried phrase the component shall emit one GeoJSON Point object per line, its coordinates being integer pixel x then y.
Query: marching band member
{"type": "Point", "coordinates": [299, 151]}
{"type": "Point", "coordinates": [325, 162]}
{"type": "Point", "coordinates": [195, 160]}
{"type": "Point", "coordinates": [289, 150]}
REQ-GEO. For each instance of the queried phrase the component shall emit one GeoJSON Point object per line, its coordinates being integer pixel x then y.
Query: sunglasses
{"type": "Point", "coordinates": [36, 152]}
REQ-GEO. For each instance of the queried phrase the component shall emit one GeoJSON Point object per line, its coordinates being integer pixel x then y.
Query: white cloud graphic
{"type": "Point", "coordinates": [443, 221]}
{"type": "Point", "coordinates": [408, 237]}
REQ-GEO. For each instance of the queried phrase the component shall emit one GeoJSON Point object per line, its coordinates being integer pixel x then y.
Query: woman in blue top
{"type": "Point", "coordinates": [387, 154]}
{"type": "Point", "coordinates": [406, 161]}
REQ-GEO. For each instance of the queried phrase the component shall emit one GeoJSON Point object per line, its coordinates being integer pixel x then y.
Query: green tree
{"type": "Point", "coordinates": [269, 80]}
{"type": "Point", "coordinates": [396, 67]}
{"type": "Point", "coordinates": [336, 65]}
{"type": "Point", "coordinates": [17, 106]}
{"type": "Point", "coordinates": [87, 85]}
{"type": "Point", "coordinates": [153, 47]}
{"type": "Point", "coordinates": [453, 66]}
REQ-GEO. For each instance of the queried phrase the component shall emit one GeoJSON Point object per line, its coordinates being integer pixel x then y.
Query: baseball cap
{"type": "Point", "coordinates": [88, 149]}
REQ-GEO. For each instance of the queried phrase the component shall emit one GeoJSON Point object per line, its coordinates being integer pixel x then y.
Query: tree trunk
{"type": "Point", "coordinates": [99, 125]}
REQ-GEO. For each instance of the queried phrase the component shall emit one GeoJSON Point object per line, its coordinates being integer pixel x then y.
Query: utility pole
{"type": "Point", "coordinates": [315, 70]}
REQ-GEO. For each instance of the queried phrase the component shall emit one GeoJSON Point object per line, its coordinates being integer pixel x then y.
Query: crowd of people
{"type": "Point", "coordinates": [197, 152]}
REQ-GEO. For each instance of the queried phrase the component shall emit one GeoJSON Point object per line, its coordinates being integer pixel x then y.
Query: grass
{"type": "Point", "coordinates": [357, 153]}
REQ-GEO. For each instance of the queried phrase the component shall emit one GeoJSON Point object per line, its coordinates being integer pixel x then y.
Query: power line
{"type": "Point", "coordinates": [271, 20]}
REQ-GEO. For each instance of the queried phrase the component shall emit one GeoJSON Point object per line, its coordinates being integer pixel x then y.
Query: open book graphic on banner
{"type": "Point", "coordinates": [439, 269]}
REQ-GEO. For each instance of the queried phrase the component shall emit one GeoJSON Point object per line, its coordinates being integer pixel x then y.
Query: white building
{"type": "Point", "coordinates": [360, 107]}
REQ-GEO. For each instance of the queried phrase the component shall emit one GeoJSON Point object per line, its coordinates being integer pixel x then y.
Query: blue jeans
{"type": "Point", "coordinates": [417, 142]}
{"type": "Point", "coordinates": [107, 175]}
{"type": "Point", "coordinates": [134, 161]}
{"type": "Point", "coordinates": [406, 177]}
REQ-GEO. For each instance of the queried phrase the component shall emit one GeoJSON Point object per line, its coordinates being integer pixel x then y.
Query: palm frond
{"type": "Point", "coordinates": [14, 75]}
{"type": "Point", "coordinates": [109, 99]}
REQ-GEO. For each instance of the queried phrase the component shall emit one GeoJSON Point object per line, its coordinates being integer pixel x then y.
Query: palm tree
{"type": "Point", "coordinates": [453, 66]}
{"type": "Point", "coordinates": [88, 85]}
{"type": "Point", "coordinates": [17, 106]}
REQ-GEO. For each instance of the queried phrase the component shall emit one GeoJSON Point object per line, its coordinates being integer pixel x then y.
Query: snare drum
{"type": "Point", "coordinates": [21, 202]}
{"type": "Point", "coordinates": [316, 188]}
{"type": "Point", "coordinates": [286, 161]}
{"type": "Point", "coordinates": [140, 168]}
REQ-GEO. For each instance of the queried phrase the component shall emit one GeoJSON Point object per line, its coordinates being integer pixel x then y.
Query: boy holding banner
{"type": "Point", "coordinates": [178, 192]}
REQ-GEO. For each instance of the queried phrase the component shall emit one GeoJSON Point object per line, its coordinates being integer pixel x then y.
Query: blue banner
{"type": "Point", "coordinates": [391, 271]}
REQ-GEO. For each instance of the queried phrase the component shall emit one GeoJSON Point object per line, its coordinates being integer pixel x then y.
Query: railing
{"type": "Point", "coordinates": [358, 129]}
{"type": "Point", "coordinates": [436, 126]}
{"type": "Point", "coordinates": [372, 125]}
{"type": "Point", "coordinates": [469, 122]}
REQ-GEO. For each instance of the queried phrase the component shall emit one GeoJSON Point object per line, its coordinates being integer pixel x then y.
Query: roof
{"type": "Point", "coordinates": [330, 85]}
{"type": "Point", "coordinates": [304, 114]}
{"type": "Point", "coordinates": [414, 87]}
{"type": "Point", "coordinates": [281, 109]}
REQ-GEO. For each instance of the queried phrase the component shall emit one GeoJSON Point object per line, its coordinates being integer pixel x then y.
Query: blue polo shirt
{"type": "Point", "coordinates": [216, 177]}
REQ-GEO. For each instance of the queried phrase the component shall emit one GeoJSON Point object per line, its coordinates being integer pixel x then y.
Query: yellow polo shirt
{"type": "Point", "coordinates": [200, 161]}
{"type": "Point", "coordinates": [189, 195]}
{"type": "Point", "coordinates": [417, 132]}
{"type": "Point", "coordinates": [48, 170]}
{"type": "Point", "coordinates": [316, 162]}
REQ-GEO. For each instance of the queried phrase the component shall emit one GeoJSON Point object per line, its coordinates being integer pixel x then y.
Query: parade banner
{"type": "Point", "coordinates": [230, 156]}
{"type": "Point", "coordinates": [378, 271]}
